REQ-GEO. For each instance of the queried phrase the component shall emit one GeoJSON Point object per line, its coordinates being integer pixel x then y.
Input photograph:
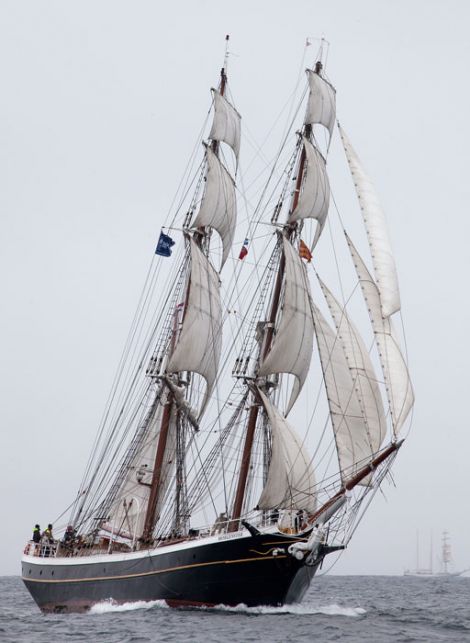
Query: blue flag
{"type": "Point", "coordinates": [164, 245]}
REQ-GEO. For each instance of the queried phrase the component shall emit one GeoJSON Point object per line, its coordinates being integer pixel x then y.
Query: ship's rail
{"type": "Point", "coordinates": [42, 550]}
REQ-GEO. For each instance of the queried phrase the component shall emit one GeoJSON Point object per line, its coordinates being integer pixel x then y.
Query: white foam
{"type": "Point", "coordinates": [328, 610]}
{"type": "Point", "coordinates": [104, 607]}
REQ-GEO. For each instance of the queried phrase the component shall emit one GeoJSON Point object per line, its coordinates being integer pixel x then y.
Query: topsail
{"type": "Point", "coordinates": [291, 351]}
{"type": "Point", "coordinates": [226, 124]}
{"type": "Point", "coordinates": [199, 344]}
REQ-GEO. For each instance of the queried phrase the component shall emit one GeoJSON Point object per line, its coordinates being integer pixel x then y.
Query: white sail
{"type": "Point", "coordinates": [226, 124]}
{"type": "Point", "coordinates": [127, 514]}
{"type": "Point", "coordinates": [292, 347]}
{"type": "Point", "coordinates": [218, 206]}
{"type": "Point", "coordinates": [200, 341]}
{"type": "Point", "coordinates": [377, 234]}
{"type": "Point", "coordinates": [351, 433]}
{"type": "Point", "coordinates": [321, 107]}
{"type": "Point", "coordinates": [291, 481]}
{"type": "Point", "coordinates": [314, 198]}
{"type": "Point", "coordinates": [397, 380]}
{"type": "Point", "coordinates": [362, 371]}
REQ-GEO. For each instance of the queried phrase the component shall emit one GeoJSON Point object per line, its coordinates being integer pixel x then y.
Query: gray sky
{"type": "Point", "coordinates": [101, 104]}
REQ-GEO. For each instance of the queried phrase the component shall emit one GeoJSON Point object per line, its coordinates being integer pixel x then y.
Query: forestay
{"type": "Point", "coordinates": [352, 438]}
{"type": "Point", "coordinates": [199, 344]}
{"type": "Point", "coordinates": [314, 198]}
{"type": "Point", "coordinates": [321, 106]}
{"type": "Point", "coordinates": [377, 234]}
{"type": "Point", "coordinates": [292, 347]}
{"type": "Point", "coordinates": [226, 124]}
{"type": "Point", "coordinates": [362, 371]}
{"type": "Point", "coordinates": [397, 380]}
{"type": "Point", "coordinates": [218, 206]}
{"type": "Point", "coordinates": [291, 481]}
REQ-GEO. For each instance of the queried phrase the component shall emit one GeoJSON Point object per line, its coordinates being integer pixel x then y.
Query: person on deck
{"type": "Point", "coordinates": [47, 534]}
{"type": "Point", "coordinates": [36, 534]}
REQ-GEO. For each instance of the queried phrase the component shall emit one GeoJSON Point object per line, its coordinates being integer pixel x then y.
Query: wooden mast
{"type": "Point", "coordinates": [254, 410]}
{"type": "Point", "coordinates": [150, 516]}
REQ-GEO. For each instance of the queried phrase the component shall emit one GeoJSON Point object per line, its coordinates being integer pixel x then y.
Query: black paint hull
{"type": "Point", "coordinates": [253, 570]}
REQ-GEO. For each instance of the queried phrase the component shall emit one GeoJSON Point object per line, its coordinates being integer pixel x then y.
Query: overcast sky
{"type": "Point", "coordinates": [101, 104]}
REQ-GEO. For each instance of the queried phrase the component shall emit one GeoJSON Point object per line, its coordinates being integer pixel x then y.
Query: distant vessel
{"type": "Point", "coordinates": [446, 560]}
{"type": "Point", "coordinates": [198, 490]}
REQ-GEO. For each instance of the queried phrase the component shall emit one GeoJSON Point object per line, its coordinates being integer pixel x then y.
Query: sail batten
{"type": "Point", "coordinates": [291, 480]}
{"type": "Point", "coordinates": [199, 344]}
{"type": "Point", "coordinates": [292, 347]}
{"type": "Point", "coordinates": [226, 125]}
{"type": "Point", "coordinates": [377, 233]}
{"type": "Point", "coordinates": [397, 380]}
{"type": "Point", "coordinates": [218, 208]}
{"type": "Point", "coordinates": [314, 198]}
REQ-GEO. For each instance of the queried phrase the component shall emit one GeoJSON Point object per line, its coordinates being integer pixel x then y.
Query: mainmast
{"type": "Point", "coordinates": [290, 231]}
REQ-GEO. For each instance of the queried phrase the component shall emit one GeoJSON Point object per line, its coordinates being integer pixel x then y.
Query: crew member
{"type": "Point", "coordinates": [47, 534]}
{"type": "Point", "coordinates": [36, 534]}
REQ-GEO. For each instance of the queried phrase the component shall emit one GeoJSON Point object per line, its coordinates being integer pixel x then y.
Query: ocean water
{"type": "Point", "coordinates": [358, 609]}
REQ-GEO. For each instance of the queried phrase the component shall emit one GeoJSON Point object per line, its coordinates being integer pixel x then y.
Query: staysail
{"type": "Point", "coordinates": [127, 514]}
{"type": "Point", "coordinates": [353, 442]}
{"type": "Point", "coordinates": [199, 344]}
{"type": "Point", "coordinates": [292, 347]}
{"type": "Point", "coordinates": [226, 124]}
{"type": "Point", "coordinates": [362, 371]}
{"type": "Point", "coordinates": [321, 107]}
{"type": "Point", "coordinates": [377, 234]}
{"type": "Point", "coordinates": [314, 198]}
{"type": "Point", "coordinates": [218, 206]}
{"type": "Point", "coordinates": [291, 481]}
{"type": "Point", "coordinates": [397, 380]}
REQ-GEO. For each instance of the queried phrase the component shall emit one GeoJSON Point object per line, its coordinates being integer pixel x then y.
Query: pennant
{"type": "Point", "coordinates": [244, 250]}
{"type": "Point", "coordinates": [164, 245]}
{"type": "Point", "coordinates": [304, 251]}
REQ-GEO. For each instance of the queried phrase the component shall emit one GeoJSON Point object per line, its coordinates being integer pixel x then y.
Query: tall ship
{"type": "Point", "coordinates": [446, 568]}
{"type": "Point", "coordinates": [262, 395]}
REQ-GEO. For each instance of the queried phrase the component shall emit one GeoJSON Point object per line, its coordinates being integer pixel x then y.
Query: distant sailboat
{"type": "Point", "coordinates": [446, 560]}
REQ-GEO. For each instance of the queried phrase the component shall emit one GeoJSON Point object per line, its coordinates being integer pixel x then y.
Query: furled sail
{"type": "Point", "coordinates": [127, 515]}
{"type": "Point", "coordinates": [377, 234]}
{"type": "Point", "coordinates": [291, 481]}
{"type": "Point", "coordinates": [397, 380]}
{"type": "Point", "coordinates": [352, 437]}
{"type": "Point", "coordinates": [292, 347]}
{"type": "Point", "coordinates": [314, 197]}
{"type": "Point", "coordinates": [321, 107]}
{"type": "Point", "coordinates": [362, 371]}
{"type": "Point", "coordinates": [218, 206]}
{"type": "Point", "coordinates": [200, 341]}
{"type": "Point", "coordinates": [226, 124]}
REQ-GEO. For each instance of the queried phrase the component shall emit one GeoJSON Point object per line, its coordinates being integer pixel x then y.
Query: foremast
{"type": "Point", "coordinates": [201, 292]}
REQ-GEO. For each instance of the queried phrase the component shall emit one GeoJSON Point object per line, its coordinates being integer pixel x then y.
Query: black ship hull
{"type": "Point", "coordinates": [250, 570]}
